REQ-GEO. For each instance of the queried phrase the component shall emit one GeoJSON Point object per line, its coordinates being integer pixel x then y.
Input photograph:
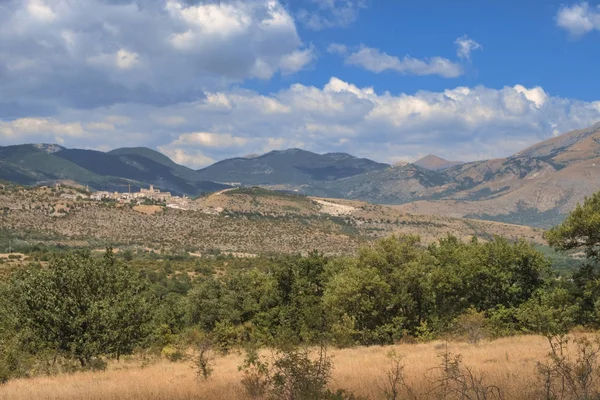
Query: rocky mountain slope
{"type": "Point", "coordinates": [537, 186]}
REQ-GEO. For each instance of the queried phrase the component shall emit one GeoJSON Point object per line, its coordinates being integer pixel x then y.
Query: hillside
{"type": "Point", "coordinates": [251, 220]}
{"type": "Point", "coordinates": [33, 164]}
{"type": "Point", "coordinates": [537, 186]}
{"type": "Point", "coordinates": [292, 166]}
{"type": "Point", "coordinates": [435, 163]}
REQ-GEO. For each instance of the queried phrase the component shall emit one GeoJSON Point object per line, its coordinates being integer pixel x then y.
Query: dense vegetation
{"type": "Point", "coordinates": [80, 309]}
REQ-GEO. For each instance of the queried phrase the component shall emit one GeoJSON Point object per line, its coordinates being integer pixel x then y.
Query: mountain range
{"type": "Point", "coordinates": [537, 186]}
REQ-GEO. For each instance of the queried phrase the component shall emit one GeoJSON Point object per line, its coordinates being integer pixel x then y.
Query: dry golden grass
{"type": "Point", "coordinates": [509, 363]}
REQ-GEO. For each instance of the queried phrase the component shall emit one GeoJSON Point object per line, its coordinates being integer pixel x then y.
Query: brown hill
{"type": "Point", "coordinates": [435, 163]}
{"type": "Point", "coordinates": [240, 220]}
{"type": "Point", "coordinates": [536, 186]}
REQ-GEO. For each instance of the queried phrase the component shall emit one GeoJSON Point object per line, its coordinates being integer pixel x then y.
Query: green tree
{"type": "Point", "coordinates": [580, 230]}
{"type": "Point", "coordinates": [84, 307]}
{"type": "Point", "coordinates": [548, 312]}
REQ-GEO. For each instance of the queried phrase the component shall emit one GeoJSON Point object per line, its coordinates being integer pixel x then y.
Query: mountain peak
{"type": "Point", "coordinates": [570, 147]}
{"type": "Point", "coordinates": [435, 163]}
{"type": "Point", "coordinates": [48, 147]}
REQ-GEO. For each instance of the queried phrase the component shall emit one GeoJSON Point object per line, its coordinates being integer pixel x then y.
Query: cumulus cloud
{"type": "Point", "coordinates": [579, 19]}
{"type": "Point", "coordinates": [323, 14]}
{"type": "Point", "coordinates": [461, 123]}
{"type": "Point", "coordinates": [337, 48]}
{"type": "Point", "coordinates": [194, 158]}
{"type": "Point", "coordinates": [377, 61]}
{"type": "Point", "coordinates": [465, 46]}
{"type": "Point", "coordinates": [92, 53]}
{"type": "Point", "coordinates": [41, 128]}
{"type": "Point", "coordinates": [209, 139]}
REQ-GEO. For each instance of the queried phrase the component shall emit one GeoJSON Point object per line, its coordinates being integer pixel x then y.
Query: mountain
{"type": "Point", "coordinates": [289, 167]}
{"type": "Point", "coordinates": [435, 163]}
{"type": "Point", "coordinates": [392, 185]}
{"type": "Point", "coordinates": [139, 167]}
{"type": "Point", "coordinates": [30, 164]}
{"type": "Point", "coordinates": [537, 186]}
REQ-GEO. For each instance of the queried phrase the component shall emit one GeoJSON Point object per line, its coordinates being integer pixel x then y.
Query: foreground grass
{"type": "Point", "coordinates": [509, 363]}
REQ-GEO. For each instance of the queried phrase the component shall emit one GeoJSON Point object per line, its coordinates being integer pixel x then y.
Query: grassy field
{"type": "Point", "coordinates": [509, 363]}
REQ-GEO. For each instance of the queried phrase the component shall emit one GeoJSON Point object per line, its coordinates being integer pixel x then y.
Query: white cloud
{"type": "Point", "coordinates": [337, 48]}
{"type": "Point", "coordinates": [118, 119]}
{"type": "Point", "coordinates": [465, 46]}
{"type": "Point", "coordinates": [377, 61]}
{"type": "Point", "coordinates": [100, 126]}
{"type": "Point", "coordinates": [464, 123]}
{"type": "Point", "coordinates": [537, 95]}
{"type": "Point", "coordinates": [92, 53]}
{"type": "Point", "coordinates": [39, 10]}
{"type": "Point", "coordinates": [294, 62]}
{"type": "Point", "coordinates": [191, 158]}
{"type": "Point", "coordinates": [127, 59]}
{"type": "Point", "coordinates": [121, 59]}
{"type": "Point", "coordinates": [579, 19]}
{"type": "Point", "coordinates": [172, 120]}
{"type": "Point", "coordinates": [209, 139]}
{"type": "Point", "coordinates": [25, 128]}
{"type": "Point", "coordinates": [331, 13]}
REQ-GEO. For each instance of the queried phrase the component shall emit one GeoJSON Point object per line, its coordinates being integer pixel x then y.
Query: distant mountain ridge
{"type": "Point", "coordinates": [33, 164]}
{"type": "Point", "coordinates": [289, 167]}
{"type": "Point", "coordinates": [536, 186]}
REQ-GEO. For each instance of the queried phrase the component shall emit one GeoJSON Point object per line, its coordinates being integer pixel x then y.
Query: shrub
{"type": "Point", "coordinates": [568, 377]}
{"type": "Point", "coordinates": [393, 384]}
{"type": "Point", "coordinates": [458, 381]}
{"type": "Point", "coordinates": [172, 353]}
{"type": "Point", "coordinates": [291, 375]}
{"type": "Point", "coordinates": [472, 325]}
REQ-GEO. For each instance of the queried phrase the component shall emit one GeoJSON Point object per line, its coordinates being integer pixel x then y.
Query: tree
{"type": "Point", "coordinates": [580, 230]}
{"type": "Point", "coordinates": [84, 307]}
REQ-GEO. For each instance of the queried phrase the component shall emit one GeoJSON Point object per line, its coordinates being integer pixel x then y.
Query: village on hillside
{"type": "Point", "coordinates": [177, 202]}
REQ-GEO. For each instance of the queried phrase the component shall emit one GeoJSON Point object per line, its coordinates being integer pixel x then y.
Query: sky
{"type": "Point", "coordinates": [390, 80]}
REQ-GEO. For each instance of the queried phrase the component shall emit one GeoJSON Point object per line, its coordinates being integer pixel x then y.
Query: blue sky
{"type": "Point", "coordinates": [385, 79]}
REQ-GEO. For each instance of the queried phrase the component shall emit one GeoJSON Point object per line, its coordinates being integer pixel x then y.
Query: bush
{"type": "Point", "coordinates": [291, 375]}
{"type": "Point", "coordinates": [458, 381]}
{"type": "Point", "coordinates": [472, 325]}
{"type": "Point", "coordinates": [172, 353]}
{"type": "Point", "coordinates": [568, 377]}
{"type": "Point", "coordinates": [393, 385]}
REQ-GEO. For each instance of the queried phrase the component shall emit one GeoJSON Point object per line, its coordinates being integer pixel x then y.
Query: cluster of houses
{"type": "Point", "coordinates": [137, 197]}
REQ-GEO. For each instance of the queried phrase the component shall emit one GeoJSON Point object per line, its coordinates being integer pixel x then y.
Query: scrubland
{"type": "Point", "coordinates": [509, 363]}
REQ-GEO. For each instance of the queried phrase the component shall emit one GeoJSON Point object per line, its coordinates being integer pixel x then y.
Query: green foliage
{"type": "Point", "coordinates": [473, 325]}
{"type": "Point", "coordinates": [580, 230]}
{"type": "Point", "coordinates": [549, 313]}
{"type": "Point", "coordinates": [84, 307]}
{"type": "Point", "coordinates": [396, 287]}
